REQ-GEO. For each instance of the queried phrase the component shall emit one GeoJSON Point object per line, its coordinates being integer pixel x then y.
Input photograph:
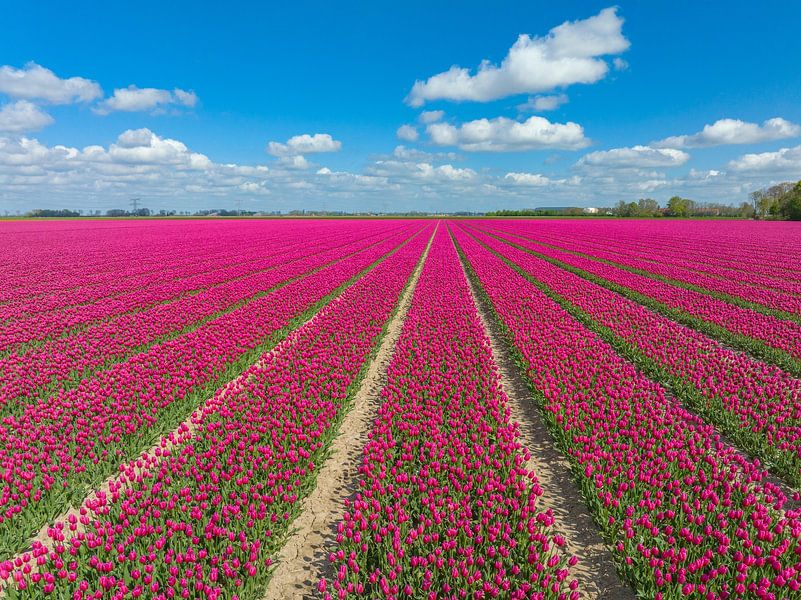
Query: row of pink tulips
{"type": "Point", "coordinates": [758, 404]}
{"type": "Point", "coordinates": [54, 260]}
{"type": "Point", "coordinates": [43, 369]}
{"type": "Point", "coordinates": [446, 507]}
{"type": "Point", "coordinates": [202, 519]}
{"type": "Point", "coordinates": [686, 515]}
{"type": "Point", "coordinates": [646, 256]}
{"type": "Point", "coordinates": [48, 259]}
{"type": "Point", "coordinates": [219, 262]}
{"type": "Point", "coordinates": [778, 334]}
{"type": "Point", "coordinates": [54, 448]}
{"type": "Point", "coordinates": [61, 321]}
{"type": "Point", "coordinates": [747, 248]}
{"type": "Point", "coordinates": [699, 258]}
{"type": "Point", "coordinates": [718, 283]}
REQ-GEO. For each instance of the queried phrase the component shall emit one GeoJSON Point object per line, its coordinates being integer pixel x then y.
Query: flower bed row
{"type": "Point", "coordinates": [59, 322]}
{"type": "Point", "coordinates": [774, 340]}
{"type": "Point", "coordinates": [64, 362]}
{"type": "Point", "coordinates": [203, 519]}
{"type": "Point", "coordinates": [739, 247]}
{"type": "Point", "coordinates": [54, 449]}
{"type": "Point", "coordinates": [686, 515]}
{"type": "Point", "coordinates": [756, 404]}
{"type": "Point", "coordinates": [649, 258]}
{"type": "Point", "coordinates": [70, 263]}
{"type": "Point", "coordinates": [195, 262]}
{"type": "Point", "coordinates": [446, 508]}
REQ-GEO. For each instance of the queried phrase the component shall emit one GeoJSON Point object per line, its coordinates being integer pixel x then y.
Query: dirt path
{"type": "Point", "coordinates": [595, 571]}
{"type": "Point", "coordinates": [303, 559]}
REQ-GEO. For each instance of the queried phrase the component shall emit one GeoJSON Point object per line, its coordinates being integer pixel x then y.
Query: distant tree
{"type": "Point", "coordinates": [790, 203]}
{"type": "Point", "coordinates": [49, 212]}
{"type": "Point", "coordinates": [746, 210]}
{"type": "Point", "coordinates": [680, 207]}
{"type": "Point", "coordinates": [648, 207]}
{"type": "Point", "coordinates": [627, 209]}
{"type": "Point", "coordinates": [116, 212]}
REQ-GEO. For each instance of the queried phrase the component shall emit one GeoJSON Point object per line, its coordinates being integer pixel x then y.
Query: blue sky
{"type": "Point", "coordinates": [312, 105]}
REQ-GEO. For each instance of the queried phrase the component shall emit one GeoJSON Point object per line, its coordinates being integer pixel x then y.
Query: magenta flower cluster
{"type": "Point", "coordinates": [686, 514]}
{"type": "Point", "coordinates": [758, 403]}
{"type": "Point", "coordinates": [201, 516]}
{"type": "Point", "coordinates": [50, 450]}
{"type": "Point", "coordinates": [446, 507]}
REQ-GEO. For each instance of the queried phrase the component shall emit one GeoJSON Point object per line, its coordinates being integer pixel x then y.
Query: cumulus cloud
{"type": "Point", "coordinates": [506, 135]}
{"type": "Point", "coordinates": [21, 116]}
{"type": "Point", "coordinates": [733, 131]}
{"type": "Point", "coordinates": [431, 116]}
{"type": "Point", "coordinates": [34, 82]}
{"type": "Point", "coordinates": [138, 162]}
{"type": "Point", "coordinates": [402, 152]}
{"type": "Point", "coordinates": [641, 157]}
{"type": "Point", "coordinates": [447, 171]}
{"type": "Point", "coordinates": [620, 64]}
{"type": "Point", "coordinates": [305, 144]}
{"type": "Point", "coordinates": [416, 171]}
{"type": "Point", "coordinates": [352, 178]}
{"type": "Point", "coordinates": [135, 99]}
{"type": "Point", "coordinates": [298, 161]}
{"type": "Point", "coordinates": [785, 160]}
{"type": "Point", "coordinates": [543, 103]}
{"type": "Point", "coordinates": [570, 53]}
{"type": "Point", "coordinates": [407, 133]}
{"type": "Point", "coordinates": [532, 179]}
{"type": "Point", "coordinates": [142, 146]}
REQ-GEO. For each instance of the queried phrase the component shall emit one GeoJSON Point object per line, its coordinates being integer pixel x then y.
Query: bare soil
{"type": "Point", "coordinates": [595, 570]}
{"type": "Point", "coordinates": [303, 559]}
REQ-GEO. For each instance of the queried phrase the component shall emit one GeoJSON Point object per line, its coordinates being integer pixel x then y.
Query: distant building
{"type": "Point", "coordinates": [590, 210]}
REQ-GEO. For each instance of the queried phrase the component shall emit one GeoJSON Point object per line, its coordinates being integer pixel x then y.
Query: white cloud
{"type": "Point", "coordinates": [431, 116]}
{"type": "Point", "coordinates": [305, 144]}
{"type": "Point", "coordinates": [506, 135]}
{"type": "Point", "coordinates": [407, 133]}
{"type": "Point", "coordinates": [344, 177]}
{"type": "Point", "coordinates": [142, 146]}
{"type": "Point", "coordinates": [402, 152]}
{"type": "Point", "coordinates": [22, 115]}
{"type": "Point", "coordinates": [532, 179]}
{"type": "Point", "coordinates": [733, 131]}
{"type": "Point", "coordinates": [407, 171]}
{"type": "Point", "coordinates": [298, 161]}
{"type": "Point", "coordinates": [134, 99]}
{"type": "Point", "coordinates": [188, 99]}
{"type": "Point", "coordinates": [707, 175]}
{"type": "Point", "coordinates": [635, 157]}
{"type": "Point", "coordinates": [543, 103]}
{"type": "Point", "coordinates": [34, 82]}
{"type": "Point", "coordinates": [620, 64]}
{"type": "Point", "coordinates": [568, 54]}
{"type": "Point", "coordinates": [786, 160]}
{"type": "Point", "coordinates": [447, 171]}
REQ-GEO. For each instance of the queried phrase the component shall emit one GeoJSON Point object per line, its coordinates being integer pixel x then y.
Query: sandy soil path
{"type": "Point", "coordinates": [595, 571]}
{"type": "Point", "coordinates": [303, 559]}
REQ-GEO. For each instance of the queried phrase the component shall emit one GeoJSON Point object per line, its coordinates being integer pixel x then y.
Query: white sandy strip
{"type": "Point", "coordinates": [595, 571]}
{"type": "Point", "coordinates": [303, 559]}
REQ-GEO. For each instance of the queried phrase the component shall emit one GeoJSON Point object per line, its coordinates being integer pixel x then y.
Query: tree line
{"type": "Point", "coordinates": [782, 201]}
{"type": "Point", "coordinates": [681, 208]}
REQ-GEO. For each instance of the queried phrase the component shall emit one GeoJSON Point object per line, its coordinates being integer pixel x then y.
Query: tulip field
{"type": "Point", "coordinates": [171, 392]}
